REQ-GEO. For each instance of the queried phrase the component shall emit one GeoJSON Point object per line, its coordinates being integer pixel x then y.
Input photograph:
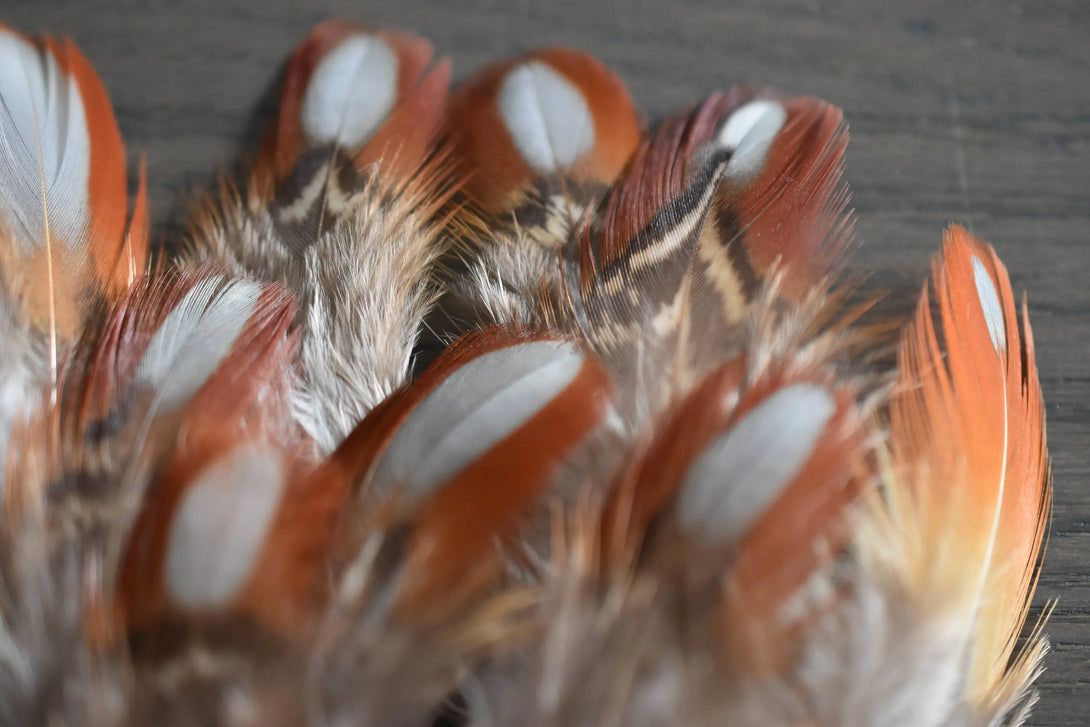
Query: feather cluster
{"type": "Point", "coordinates": [486, 405]}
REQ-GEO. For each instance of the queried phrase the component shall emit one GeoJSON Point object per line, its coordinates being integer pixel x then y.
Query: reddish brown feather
{"type": "Point", "coordinates": [661, 169]}
{"type": "Point", "coordinates": [100, 377]}
{"type": "Point", "coordinates": [406, 136]}
{"type": "Point", "coordinates": [792, 213]}
{"type": "Point", "coordinates": [651, 480]}
{"type": "Point", "coordinates": [790, 217]}
{"type": "Point", "coordinates": [495, 171]}
{"type": "Point", "coordinates": [790, 541]}
{"type": "Point", "coordinates": [244, 402]}
{"type": "Point", "coordinates": [457, 527]}
{"type": "Point", "coordinates": [797, 536]}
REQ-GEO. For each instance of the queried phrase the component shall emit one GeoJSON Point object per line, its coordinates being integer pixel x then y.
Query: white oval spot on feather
{"type": "Point", "coordinates": [743, 471]}
{"type": "Point", "coordinates": [989, 303]}
{"type": "Point", "coordinates": [43, 140]}
{"type": "Point", "coordinates": [220, 526]}
{"type": "Point", "coordinates": [748, 133]}
{"type": "Point", "coordinates": [474, 408]}
{"type": "Point", "coordinates": [195, 337]}
{"type": "Point", "coordinates": [547, 117]}
{"type": "Point", "coordinates": [351, 92]}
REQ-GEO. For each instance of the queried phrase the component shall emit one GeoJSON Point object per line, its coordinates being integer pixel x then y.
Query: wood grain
{"type": "Point", "coordinates": [977, 112]}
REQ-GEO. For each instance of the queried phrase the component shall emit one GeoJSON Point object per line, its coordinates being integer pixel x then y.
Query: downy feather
{"type": "Point", "coordinates": [341, 208]}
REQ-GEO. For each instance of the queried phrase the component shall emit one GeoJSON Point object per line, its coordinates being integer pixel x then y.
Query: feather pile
{"type": "Point", "coordinates": [486, 405]}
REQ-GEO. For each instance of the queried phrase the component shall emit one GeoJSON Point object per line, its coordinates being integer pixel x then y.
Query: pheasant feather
{"type": "Point", "coordinates": [494, 408]}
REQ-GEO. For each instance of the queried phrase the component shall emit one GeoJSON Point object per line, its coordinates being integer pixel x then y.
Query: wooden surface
{"type": "Point", "coordinates": [977, 112]}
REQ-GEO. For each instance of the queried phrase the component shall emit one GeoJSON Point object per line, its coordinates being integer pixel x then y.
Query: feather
{"type": "Point", "coordinates": [968, 438]}
{"type": "Point", "coordinates": [365, 93]}
{"type": "Point", "coordinates": [555, 119]}
{"type": "Point", "coordinates": [62, 191]}
{"type": "Point", "coordinates": [774, 166]}
{"type": "Point", "coordinates": [451, 448]}
{"type": "Point", "coordinates": [342, 209]}
{"type": "Point", "coordinates": [783, 185]}
{"type": "Point", "coordinates": [543, 398]}
{"type": "Point", "coordinates": [539, 139]}
{"type": "Point", "coordinates": [675, 485]}
{"type": "Point", "coordinates": [755, 474]}
{"type": "Point", "coordinates": [166, 341]}
{"type": "Point", "coordinates": [64, 249]}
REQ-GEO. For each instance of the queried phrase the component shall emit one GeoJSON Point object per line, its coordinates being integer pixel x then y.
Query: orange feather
{"type": "Point", "coordinates": [968, 436]}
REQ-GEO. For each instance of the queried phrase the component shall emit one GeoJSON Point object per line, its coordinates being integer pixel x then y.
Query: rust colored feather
{"type": "Point", "coordinates": [762, 546]}
{"type": "Point", "coordinates": [798, 536]}
{"type": "Point", "coordinates": [242, 406]}
{"type": "Point", "coordinates": [495, 116]}
{"type": "Point", "coordinates": [661, 168]}
{"type": "Point", "coordinates": [408, 113]}
{"type": "Point", "coordinates": [779, 205]}
{"type": "Point", "coordinates": [792, 213]}
{"type": "Point", "coordinates": [650, 482]}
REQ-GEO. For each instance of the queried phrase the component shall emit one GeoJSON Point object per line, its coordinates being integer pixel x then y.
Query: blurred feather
{"type": "Point", "coordinates": [65, 252]}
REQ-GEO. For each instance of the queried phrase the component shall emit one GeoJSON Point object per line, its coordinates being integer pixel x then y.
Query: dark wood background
{"type": "Point", "coordinates": [974, 112]}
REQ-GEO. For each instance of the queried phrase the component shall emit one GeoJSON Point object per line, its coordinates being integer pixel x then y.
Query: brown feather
{"type": "Point", "coordinates": [406, 134]}
{"type": "Point", "coordinates": [497, 173]}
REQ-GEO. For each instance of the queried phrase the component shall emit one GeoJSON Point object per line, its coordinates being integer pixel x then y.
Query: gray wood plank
{"type": "Point", "coordinates": [976, 112]}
